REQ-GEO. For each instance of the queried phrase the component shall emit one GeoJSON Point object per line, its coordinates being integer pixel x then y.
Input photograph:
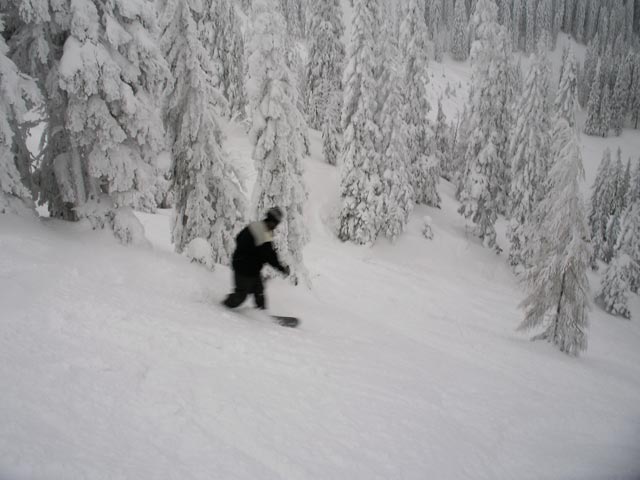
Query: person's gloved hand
{"type": "Point", "coordinates": [286, 270]}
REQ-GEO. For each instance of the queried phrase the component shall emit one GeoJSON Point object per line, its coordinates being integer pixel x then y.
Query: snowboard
{"type": "Point", "coordinates": [291, 322]}
{"type": "Point", "coordinates": [285, 321]}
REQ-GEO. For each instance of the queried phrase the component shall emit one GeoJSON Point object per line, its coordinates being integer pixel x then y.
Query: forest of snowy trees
{"type": "Point", "coordinates": [115, 83]}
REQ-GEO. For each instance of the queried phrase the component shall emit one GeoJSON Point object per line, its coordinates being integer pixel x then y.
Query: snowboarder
{"type": "Point", "coordinates": [254, 248]}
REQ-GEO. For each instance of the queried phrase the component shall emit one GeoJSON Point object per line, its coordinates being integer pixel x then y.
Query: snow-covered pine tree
{"type": "Point", "coordinates": [209, 201]}
{"type": "Point", "coordinates": [566, 102]}
{"type": "Point", "coordinates": [623, 273]}
{"type": "Point", "coordinates": [484, 184]}
{"type": "Point", "coordinates": [621, 96]}
{"type": "Point", "coordinates": [578, 25]}
{"type": "Point", "coordinates": [616, 286]}
{"type": "Point", "coordinates": [442, 137]}
{"type": "Point", "coordinates": [225, 42]}
{"type": "Point", "coordinates": [245, 6]}
{"type": "Point", "coordinates": [517, 15]}
{"type": "Point", "coordinates": [530, 25]}
{"type": "Point", "coordinates": [558, 287]}
{"type": "Point", "coordinates": [605, 112]}
{"type": "Point", "coordinates": [634, 95]}
{"type": "Point", "coordinates": [448, 14]}
{"type": "Point", "coordinates": [624, 186]}
{"type": "Point", "coordinates": [589, 71]}
{"type": "Point", "coordinates": [276, 134]}
{"type": "Point", "coordinates": [458, 148]}
{"type": "Point", "coordinates": [103, 74]}
{"type": "Point", "coordinates": [331, 131]}
{"type": "Point", "coordinates": [397, 193]}
{"type": "Point", "coordinates": [601, 205]}
{"type": "Point", "coordinates": [544, 21]}
{"type": "Point", "coordinates": [19, 95]}
{"type": "Point", "coordinates": [325, 59]}
{"type": "Point", "coordinates": [294, 14]}
{"type": "Point", "coordinates": [423, 162]}
{"type": "Point", "coordinates": [593, 9]}
{"type": "Point", "coordinates": [629, 19]}
{"type": "Point", "coordinates": [633, 195]}
{"type": "Point", "coordinates": [361, 185]}
{"type": "Point", "coordinates": [529, 154]}
{"type": "Point", "coordinates": [558, 16]}
{"type": "Point", "coordinates": [569, 15]}
{"type": "Point", "coordinates": [603, 30]}
{"type": "Point", "coordinates": [629, 243]}
{"type": "Point", "coordinates": [592, 124]}
{"type": "Point", "coordinates": [460, 40]}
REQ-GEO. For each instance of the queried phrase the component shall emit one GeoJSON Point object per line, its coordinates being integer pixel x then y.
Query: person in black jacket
{"type": "Point", "coordinates": [254, 248]}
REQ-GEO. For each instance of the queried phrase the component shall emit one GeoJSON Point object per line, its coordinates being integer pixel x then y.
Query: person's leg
{"type": "Point", "coordinates": [258, 294]}
{"type": "Point", "coordinates": [239, 295]}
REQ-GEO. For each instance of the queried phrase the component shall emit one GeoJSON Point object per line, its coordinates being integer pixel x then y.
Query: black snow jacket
{"type": "Point", "coordinates": [254, 248]}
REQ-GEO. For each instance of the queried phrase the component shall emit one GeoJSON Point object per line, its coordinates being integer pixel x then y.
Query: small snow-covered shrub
{"type": "Point", "coordinates": [427, 230]}
{"type": "Point", "coordinates": [200, 251]}
{"type": "Point", "coordinates": [126, 227]}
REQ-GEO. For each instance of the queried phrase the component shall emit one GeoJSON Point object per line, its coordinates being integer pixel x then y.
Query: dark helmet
{"type": "Point", "coordinates": [274, 215]}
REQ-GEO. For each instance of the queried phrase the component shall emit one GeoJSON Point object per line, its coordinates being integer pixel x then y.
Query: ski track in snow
{"type": "Point", "coordinates": [119, 363]}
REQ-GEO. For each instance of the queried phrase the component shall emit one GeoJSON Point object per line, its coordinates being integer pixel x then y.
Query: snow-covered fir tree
{"type": "Point", "coordinates": [294, 13]}
{"type": "Point", "coordinates": [331, 129]}
{"type": "Point", "coordinates": [623, 273]}
{"type": "Point", "coordinates": [579, 22]}
{"type": "Point", "coordinates": [592, 124]}
{"type": "Point", "coordinates": [19, 95]}
{"type": "Point", "coordinates": [361, 185]}
{"type": "Point", "coordinates": [615, 287]}
{"type": "Point", "coordinates": [483, 187]}
{"type": "Point", "coordinates": [276, 134]}
{"type": "Point", "coordinates": [605, 112]}
{"type": "Point", "coordinates": [633, 194]}
{"type": "Point", "coordinates": [566, 102]}
{"type": "Point", "coordinates": [104, 75]}
{"type": "Point", "coordinates": [589, 71]}
{"type": "Point", "coordinates": [529, 154]}
{"type": "Point", "coordinates": [629, 243]}
{"type": "Point", "coordinates": [225, 42]}
{"type": "Point", "coordinates": [602, 200]}
{"type": "Point", "coordinates": [530, 25]}
{"type": "Point", "coordinates": [245, 6]}
{"type": "Point", "coordinates": [423, 161]}
{"type": "Point", "coordinates": [517, 17]}
{"type": "Point", "coordinates": [593, 9]}
{"type": "Point", "coordinates": [569, 13]}
{"type": "Point", "coordinates": [325, 59]}
{"type": "Point", "coordinates": [558, 286]}
{"type": "Point", "coordinates": [209, 201]}
{"type": "Point", "coordinates": [442, 137]}
{"type": "Point", "coordinates": [621, 97]}
{"type": "Point", "coordinates": [634, 94]}
{"type": "Point", "coordinates": [558, 16]}
{"type": "Point", "coordinates": [460, 40]}
{"type": "Point", "coordinates": [397, 193]}
{"type": "Point", "coordinates": [544, 21]}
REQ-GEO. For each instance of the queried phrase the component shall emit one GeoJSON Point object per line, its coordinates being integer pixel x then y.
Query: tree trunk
{"type": "Point", "coordinates": [555, 327]}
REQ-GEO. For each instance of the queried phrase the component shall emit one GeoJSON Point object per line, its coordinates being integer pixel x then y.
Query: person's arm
{"type": "Point", "coordinates": [271, 257]}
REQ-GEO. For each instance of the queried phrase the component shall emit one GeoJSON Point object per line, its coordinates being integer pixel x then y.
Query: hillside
{"type": "Point", "coordinates": [118, 362]}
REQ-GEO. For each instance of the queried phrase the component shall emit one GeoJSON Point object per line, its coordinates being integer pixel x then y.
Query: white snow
{"type": "Point", "coordinates": [118, 362]}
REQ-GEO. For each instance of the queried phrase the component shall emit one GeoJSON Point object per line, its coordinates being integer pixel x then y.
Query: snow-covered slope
{"type": "Point", "coordinates": [119, 363]}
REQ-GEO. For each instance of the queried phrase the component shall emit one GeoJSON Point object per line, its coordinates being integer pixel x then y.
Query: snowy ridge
{"type": "Point", "coordinates": [406, 364]}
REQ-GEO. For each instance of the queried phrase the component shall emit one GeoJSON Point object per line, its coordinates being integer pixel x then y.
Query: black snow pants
{"type": "Point", "coordinates": [245, 286]}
